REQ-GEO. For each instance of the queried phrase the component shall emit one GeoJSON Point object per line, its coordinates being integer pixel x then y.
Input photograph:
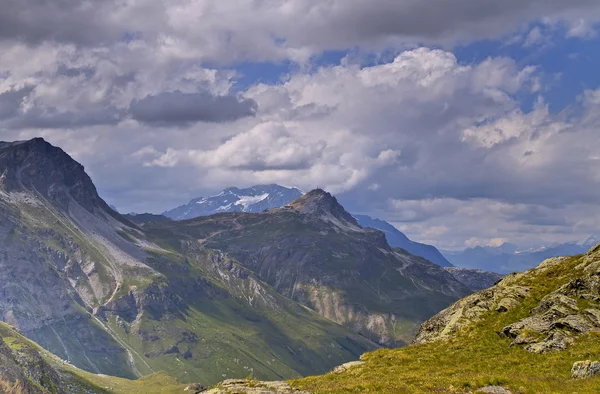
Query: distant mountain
{"type": "Point", "coordinates": [397, 239]}
{"type": "Point", "coordinates": [506, 258]}
{"type": "Point", "coordinates": [254, 199]}
{"type": "Point", "coordinates": [141, 218]}
{"type": "Point", "coordinates": [475, 280]}
{"type": "Point", "coordinates": [314, 252]}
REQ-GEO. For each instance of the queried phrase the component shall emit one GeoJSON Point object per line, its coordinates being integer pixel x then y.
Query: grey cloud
{"type": "Point", "coordinates": [72, 72]}
{"type": "Point", "coordinates": [11, 100]}
{"type": "Point", "coordinates": [182, 109]}
{"type": "Point", "coordinates": [77, 21]}
{"type": "Point", "coordinates": [51, 118]}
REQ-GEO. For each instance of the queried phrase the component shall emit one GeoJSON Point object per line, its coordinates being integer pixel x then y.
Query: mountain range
{"type": "Point", "coordinates": [254, 199]}
{"type": "Point", "coordinates": [263, 197]}
{"type": "Point", "coordinates": [288, 292]}
{"type": "Point", "coordinates": [284, 293]}
{"type": "Point", "coordinates": [507, 258]}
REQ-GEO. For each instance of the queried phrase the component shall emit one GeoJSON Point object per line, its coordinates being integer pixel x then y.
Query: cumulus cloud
{"type": "Point", "coordinates": [228, 31]}
{"type": "Point", "coordinates": [439, 146]}
{"type": "Point", "coordinates": [178, 108]}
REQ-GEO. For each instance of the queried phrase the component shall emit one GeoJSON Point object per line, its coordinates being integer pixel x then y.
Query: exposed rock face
{"type": "Point", "coordinates": [585, 369]}
{"type": "Point", "coordinates": [61, 255]}
{"type": "Point", "coordinates": [475, 280]}
{"type": "Point", "coordinates": [445, 324]}
{"type": "Point", "coordinates": [314, 252]}
{"type": "Point", "coordinates": [253, 387]}
{"type": "Point", "coordinates": [347, 366]}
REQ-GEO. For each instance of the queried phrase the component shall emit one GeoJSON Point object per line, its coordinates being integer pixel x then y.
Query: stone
{"type": "Point", "coordinates": [238, 386]}
{"type": "Point", "coordinates": [554, 342]}
{"type": "Point", "coordinates": [494, 390]}
{"type": "Point", "coordinates": [347, 366]}
{"type": "Point", "coordinates": [506, 304]}
{"type": "Point", "coordinates": [585, 369]}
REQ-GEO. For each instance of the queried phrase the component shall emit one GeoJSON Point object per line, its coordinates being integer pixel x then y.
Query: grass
{"type": "Point", "coordinates": [475, 358]}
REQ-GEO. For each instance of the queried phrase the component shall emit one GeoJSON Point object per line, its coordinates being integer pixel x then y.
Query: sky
{"type": "Point", "coordinates": [462, 122]}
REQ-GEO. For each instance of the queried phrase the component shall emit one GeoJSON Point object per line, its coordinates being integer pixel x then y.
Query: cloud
{"type": "Point", "coordinates": [51, 118]}
{"type": "Point", "coordinates": [232, 31]}
{"type": "Point", "coordinates": [12, 100]}
{"type": "Point", "coordinates": [182, 109]}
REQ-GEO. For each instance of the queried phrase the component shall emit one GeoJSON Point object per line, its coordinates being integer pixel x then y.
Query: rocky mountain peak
{"type": "Point", "coordinates": [36, 166]}
{"type": "Point", "coordinates": [320, 203]}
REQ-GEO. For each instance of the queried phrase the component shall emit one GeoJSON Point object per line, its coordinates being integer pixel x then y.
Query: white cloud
{"type": "Point", "coordinates": [421, 127]}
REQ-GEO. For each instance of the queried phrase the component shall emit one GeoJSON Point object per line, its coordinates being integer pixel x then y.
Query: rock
{"type": "Point", "coordinates": [237, 386]}
{"type": "Point", "coordinates": [593, 315]}
{"type": "Point", "coordinates": [585, 369]}
{"type": "Point", "coordinates": [554, 342]}
{"type": "Point", "coordinates": [499, 298]}
{"type": "Point", "coordinates": [506, 304]}
{"type": "Point", "coordinates": [347, 366]}
{"type": "Point", "coordinates": [575, 323]}
{"type": "Point", "coordinates": [494, 390]}
{"type": "Point", "coordinates": [196, 388]}
{"type": "Point", "coordinates": [556, 305]}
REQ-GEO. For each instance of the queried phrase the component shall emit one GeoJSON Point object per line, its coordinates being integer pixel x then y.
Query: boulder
{"type": "Point", "coordinates": [347, 366]}
{"type": "Point", "coordinates": [585, 369]}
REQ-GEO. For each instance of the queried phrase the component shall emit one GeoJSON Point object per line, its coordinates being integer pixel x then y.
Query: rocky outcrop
{"type": "Point", "coordinates": [253, 387]}
{"type": "Point", "coordinates": [554, 324]}
{"type": "Point", "coordinates": [585, 369]}
{"type": "Point", "coordinates": [500, 298]}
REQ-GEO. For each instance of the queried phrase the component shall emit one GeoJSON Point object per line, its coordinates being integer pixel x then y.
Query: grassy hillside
{"type": "Point", "coordinates": [464, 349]}
{"type": "Point", "coordinates": [26, 368]}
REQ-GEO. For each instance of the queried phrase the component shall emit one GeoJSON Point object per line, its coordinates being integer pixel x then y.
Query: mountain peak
{"type": "Point", "coordinates": [37, 166]}
{"type": "Point", "coordinates": [320, 203]}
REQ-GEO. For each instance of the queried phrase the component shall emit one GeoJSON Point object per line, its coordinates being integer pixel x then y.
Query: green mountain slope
{"type": "Point", "coordinates": [524, 335]}
{"type": "Point", "coordinates": [314, 252]}
{"type": "Point", "coordinates": [26, 368]}
{"type": "Point", "coordinates": [92, 288]}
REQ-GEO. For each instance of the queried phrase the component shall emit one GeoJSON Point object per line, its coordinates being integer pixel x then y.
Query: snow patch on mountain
{"type": "Point", "coordinates": [246, 201]}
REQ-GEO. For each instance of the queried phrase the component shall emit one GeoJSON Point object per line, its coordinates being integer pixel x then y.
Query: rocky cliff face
{"type": "Point", "coordinates": [562, 295]}
{"type": "Point", "coordinates": [93, 288]}
{"type": "Point", "coordinates": [314, 252]}
{"type": "Point", "coordinates": [61, 255]}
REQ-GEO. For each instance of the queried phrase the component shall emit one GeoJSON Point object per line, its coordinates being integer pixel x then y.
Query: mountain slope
{"type": "Point", "coordinates": [474, 279]}
{"type": "Point", "coordinates": [254, 199]}
{"type": "Point", "coordinates": [314, 252]}
{"type": "Point", "coordinates": [506, 259]}
{"type": "Point", "coordinates": [397, 239]}
{"type": "Point", "coordinates": [26, 368]}
{"type": "Point", "coordinates": [91, 287]}
{"type": "Point", "coordinates": [524, 335]}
